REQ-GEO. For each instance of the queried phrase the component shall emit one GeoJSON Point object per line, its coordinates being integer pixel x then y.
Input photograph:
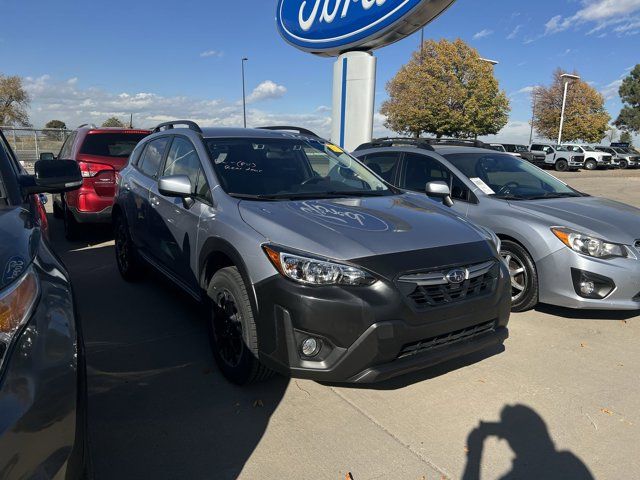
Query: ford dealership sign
{"type": "Point", "coordinates": [331, 27]}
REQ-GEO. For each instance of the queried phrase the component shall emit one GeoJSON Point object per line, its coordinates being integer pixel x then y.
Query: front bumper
{"type": "Point", "coordinates": [365, 330]}
{"type": "Point", "coordinates": [39, 388]}
{"type": "Point", "coordinates": [557, 287]}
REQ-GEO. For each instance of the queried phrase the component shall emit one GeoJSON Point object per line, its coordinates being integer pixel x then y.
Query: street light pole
{"type": "Point", "coordinates": [533, 113]}
{"type": "Point", "coordinates": [244, 95]}
{"type": "Point", "coordinates": [567, 80]}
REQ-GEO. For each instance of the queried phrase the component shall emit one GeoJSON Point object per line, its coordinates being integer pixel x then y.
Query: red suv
{"type": "Point", "coordinates": [101, 153]}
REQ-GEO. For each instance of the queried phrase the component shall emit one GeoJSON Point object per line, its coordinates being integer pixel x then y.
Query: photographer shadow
{"type": "Point", "coordinates": [527, 435]}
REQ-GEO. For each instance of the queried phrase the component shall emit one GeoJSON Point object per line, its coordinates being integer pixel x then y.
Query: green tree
{"type": "Point", "coordinates": [585, 116]}
{"type": "Point", "coordinates": [629, 118]}
{"type": "Point", "coordinates": [446, 89]}
{"type": "Point", "coordinates": [54, 125]}
{"type": "Point", "coordinates": [113, 122]}
{"type": "Point", "coordinates": [626, 137]}
{"type": "Point", "coordinates": [14, 102]}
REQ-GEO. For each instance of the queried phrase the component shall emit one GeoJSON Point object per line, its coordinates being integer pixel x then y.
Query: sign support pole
{"type": "Point", "coordinates": [354, 87]}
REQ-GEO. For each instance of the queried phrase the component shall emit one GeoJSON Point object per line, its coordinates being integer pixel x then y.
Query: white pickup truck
{"type": "Point", "coordinates": [593, 158]}
{"type": "Point", "coordinates": [559, 157]}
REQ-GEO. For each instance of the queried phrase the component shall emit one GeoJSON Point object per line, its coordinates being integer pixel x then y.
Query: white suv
{"type": "Point", "coordinates": [592, 158]}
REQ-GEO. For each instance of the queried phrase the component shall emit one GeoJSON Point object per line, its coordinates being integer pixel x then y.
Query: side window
{"type": "Point", "coordinates": [151, 159]}
{"type": "Point", "coordinates": [183, 160]}
{"type": "Point", "coordinates": [383, 164]}
{"type": "Point", "coordinates": [420, 170]}
{"type": "Point", "coordinates": [459, 191]}
{"type": "Point", "coordinates": [67, 147]}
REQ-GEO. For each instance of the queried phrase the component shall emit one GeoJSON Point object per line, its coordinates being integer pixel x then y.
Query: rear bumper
{"type": "Point", "coordinates": [365, 332]}
{"type": "Point", "coordinates": [103, 216]}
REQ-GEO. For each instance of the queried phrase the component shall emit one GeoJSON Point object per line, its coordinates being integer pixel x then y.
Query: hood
{"type": "Point", "coordinates": [351, 228]}
{"type": "Point", "coordinates": [19, 241]}
{"type": "Point", "coordinates": [608, 219]}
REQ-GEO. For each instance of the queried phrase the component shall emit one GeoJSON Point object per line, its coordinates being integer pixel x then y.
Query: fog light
{"type": "Point", "coordinates": [587, 288]}
{"type": "Point", "coordinates": [310, 347]}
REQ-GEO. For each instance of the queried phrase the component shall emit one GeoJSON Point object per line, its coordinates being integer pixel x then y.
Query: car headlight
{"type": "Point", "coordinates": [588, 244]}
{"type": "Point", "coordinates": [313, 271]}
{"type": "Point", "coordinates": [492, 237]}
{"type": "Point", "coordinates": [16, 305]}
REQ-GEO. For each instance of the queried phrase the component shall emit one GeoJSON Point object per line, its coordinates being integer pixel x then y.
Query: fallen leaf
{"type": "Point", "coordinates": [583, 345]}
{"type": "Point", "coordinates": [348, 476]}
{"type": "Point", "coordinates": [606, 411]}
{"type": "Point", "coordinates": [482, 381]}
{"type": "Point", "coordinates": [623, 321]}
{"type": "Point", "coordinates": [466, 449]}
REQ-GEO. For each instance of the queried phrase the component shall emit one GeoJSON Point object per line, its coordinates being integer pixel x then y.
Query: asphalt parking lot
{"type": "Point", "coordinates": [560, 401]}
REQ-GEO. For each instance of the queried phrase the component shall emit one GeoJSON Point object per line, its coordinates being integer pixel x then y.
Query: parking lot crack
{"type": "Point", "coordinates": [384, 429]}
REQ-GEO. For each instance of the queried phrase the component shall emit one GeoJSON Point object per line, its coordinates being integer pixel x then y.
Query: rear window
{"type": "Point", "coordinates": [118, 145]}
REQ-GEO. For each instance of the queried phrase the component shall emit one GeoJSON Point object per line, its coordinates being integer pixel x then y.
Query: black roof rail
{"type": "Point", "coordinates": [459, 142]}
{"type": "Point", "coordinates": [397, 141]}
{"type": "Point", "coordinates": [171, 125]}
{"type": "Point", "coordinates": [286, 128]}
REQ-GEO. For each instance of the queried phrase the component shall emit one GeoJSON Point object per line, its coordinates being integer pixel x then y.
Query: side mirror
{"type": "Point", "coordinates": [440, 190]}
{"type": "Point", "coordinates": [52, 177]}
{"type": "Point", "coordinates": [47, 156]}
{"type": "Point", "coordinates": [177, 186]}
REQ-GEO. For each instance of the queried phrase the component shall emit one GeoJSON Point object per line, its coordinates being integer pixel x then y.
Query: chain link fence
{"type": "Point", "coordinates": [29, 143]}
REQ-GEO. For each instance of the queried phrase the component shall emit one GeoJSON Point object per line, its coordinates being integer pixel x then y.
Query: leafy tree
{"type": "Point", "coordinates": [585, 116]}
{"type": "Point", "coordinates": [446, 90]}
{"type": "Point", "coordinates": [113, 122]}
{"type": "Point", "coordinates": [629, 118]}
{"type": "Point", "coordinates": [626, 137]}
{"type": "Point", "coordinates": [57, 125]}
{"type": "Point", "coordinates": [14, 102]}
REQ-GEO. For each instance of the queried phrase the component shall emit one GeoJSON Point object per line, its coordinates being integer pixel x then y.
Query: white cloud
{"type": "Point", "coordinates": [609, 92]}
{"type": "Point", "coordinates": [211, 53]}
{"type": "Point", "coordinates": [525, 90]}
{"type": "Point", "coordinates": [267, 90]}
{"type": "Point", "coordinates": [516, 131]}
{"type": "Point", "coordinates": [483, 34]}
{"type": "Point", "coordinates": [602, 14]}
{"type": "Point", "coordinates": [75, 105]}
{"type": "Point", "coordinates": [514, 32]}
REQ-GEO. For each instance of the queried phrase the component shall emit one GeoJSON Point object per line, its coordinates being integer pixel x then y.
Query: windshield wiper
{"type": "Point", "coordinates": [510, 197]}
{"type": "Point", "coordinates": [358, 193]}
{"type": "Point", "coordinates": [554, 195]}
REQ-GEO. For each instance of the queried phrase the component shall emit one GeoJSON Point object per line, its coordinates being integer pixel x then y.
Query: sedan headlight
{"type": "Point", "coordinates": [313, 271]}
{"type": "Point", "coordinates": [588, 244]}
{"type": "Point", "coordinates": [16, 305]}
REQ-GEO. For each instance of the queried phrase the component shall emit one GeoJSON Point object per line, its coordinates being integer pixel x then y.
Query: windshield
{"type": "Point", "coordinates": [588, 148]}
{"type": "Point", "coordinates": [520, 148]}
{"type": "Point", "coordinates": [572, 148]}
{"type": "Point", "coordinates": [497, 148]}
{"type": "Point", "coordinates": [561, 148]}
{"type": "Point", "coordinates": [508, 177]}
{"type": "Point", "coordinates": [290, 168]}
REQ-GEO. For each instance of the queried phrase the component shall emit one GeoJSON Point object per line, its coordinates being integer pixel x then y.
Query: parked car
{"type": "Point", "coordinates": [559, 157]}
{"type": "Point", "coordinates": [42, 377]}
{"type": "Point", "coordinates": [515, 149]}
{"type": "Point", "coordinates": [100, 153]}
{"type": "Point", "coordinates": [622, 156]}
{"type": "Point", "coordinates": [593, 158]}
{"type": "Point", "coordinates": [498, 147]}
{"type": "Point", "coordinates": [563, 247]}
{"type": "Point", "coordinates": [313, 265]}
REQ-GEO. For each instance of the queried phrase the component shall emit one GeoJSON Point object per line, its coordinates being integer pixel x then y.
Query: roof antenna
{"type": "Point", "coordinates": [131, 121]}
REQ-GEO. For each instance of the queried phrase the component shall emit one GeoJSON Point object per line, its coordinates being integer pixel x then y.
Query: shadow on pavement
{"type": "Point", "coordinates": [535, 454]}
{"type": "Point", "coordinates": [158, 407]}
{"type": "Point", "coordinates": [587, 314]}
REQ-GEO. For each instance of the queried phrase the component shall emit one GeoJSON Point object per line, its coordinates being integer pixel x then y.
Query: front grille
{"type": "Point", "coordinates": [433, 289]}
{"type": "Point", "coordinates": [446, 339]}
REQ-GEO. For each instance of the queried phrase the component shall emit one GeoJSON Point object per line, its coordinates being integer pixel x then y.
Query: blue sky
{"type": "Point", "coordinates": [85, 61]}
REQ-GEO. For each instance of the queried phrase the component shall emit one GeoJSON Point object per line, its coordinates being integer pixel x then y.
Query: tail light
{"type": "Point", "coordinates": [90, 170]}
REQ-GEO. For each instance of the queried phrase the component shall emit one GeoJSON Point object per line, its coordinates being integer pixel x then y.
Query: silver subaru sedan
{"type": "Point", "coordinates": [563, 247]}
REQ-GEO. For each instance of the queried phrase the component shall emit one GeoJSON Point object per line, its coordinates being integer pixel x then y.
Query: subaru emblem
{"type": "Point", "coordinates": [456, 276]}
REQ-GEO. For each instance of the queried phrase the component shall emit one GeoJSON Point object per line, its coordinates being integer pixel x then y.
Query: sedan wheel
{"type": "Point", "coordinates": [523, 276]}
{"type": "Point", "coordinates": [227, 329]}
{"type": "Point", "coordinates": [623, 164]}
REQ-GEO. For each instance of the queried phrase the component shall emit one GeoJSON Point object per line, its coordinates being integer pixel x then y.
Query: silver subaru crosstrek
{"type": "Point", "coordinates": [313, 265]}
{"type": "Point", "coordinates": [563, 247]}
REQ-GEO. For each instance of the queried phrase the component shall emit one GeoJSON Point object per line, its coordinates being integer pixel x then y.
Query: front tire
{"type": "Point", "coordinates": [233, 330]}
{"type": "Point", "coordinates": [591, 164]}
{"type": "Point", "coordinates": [562, 166]}
{"type": "Point", "coordinates": [128, 259]}
{"type": "Point", "coordinates": [623, 164]}
{"type": "Point", "coordinates": [524, 277]}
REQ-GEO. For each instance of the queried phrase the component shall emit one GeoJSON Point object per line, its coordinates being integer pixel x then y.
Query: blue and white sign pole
{"type": "Point", "coordinates": [350, 30]}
